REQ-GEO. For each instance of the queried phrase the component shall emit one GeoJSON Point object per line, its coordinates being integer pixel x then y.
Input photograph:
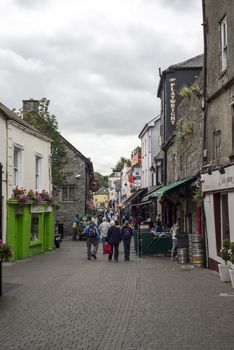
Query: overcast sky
{"type": "Point", "coordinates": [97, 62]}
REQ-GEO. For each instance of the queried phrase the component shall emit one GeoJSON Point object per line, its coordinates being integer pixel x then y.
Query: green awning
{"type": "Point", "coordinates": [172, 186]}
{"type": "Point", "coordinates": [149, 193]}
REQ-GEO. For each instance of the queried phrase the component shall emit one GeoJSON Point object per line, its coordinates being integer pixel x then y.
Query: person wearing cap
{"type": "Point", "coordinates": [103, 229]}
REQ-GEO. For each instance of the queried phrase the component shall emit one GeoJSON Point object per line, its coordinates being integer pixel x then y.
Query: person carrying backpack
{"type": "Point", "coordinates": [126, 235]}
{"type": "Point", "coordinates": [92, 235]}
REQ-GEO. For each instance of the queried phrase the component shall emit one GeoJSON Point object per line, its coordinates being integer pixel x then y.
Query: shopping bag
{"type": "Point", "coordinates": [108, 248]}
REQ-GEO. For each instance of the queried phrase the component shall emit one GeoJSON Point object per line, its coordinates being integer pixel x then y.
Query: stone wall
{"type": "Point", "coordinates": [185, 154]}
{"type": "Point", "coordinates": [67, 210]}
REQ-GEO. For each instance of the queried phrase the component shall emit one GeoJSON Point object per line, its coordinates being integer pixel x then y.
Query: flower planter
{"type": "Point", "coordinates": [224, 272]}
{"type": "Point", "coordinates": [231, 272]}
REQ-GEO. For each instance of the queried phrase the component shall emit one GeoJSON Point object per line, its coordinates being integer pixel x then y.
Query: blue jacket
{"type": "Point", "coordinates": [86, 231]}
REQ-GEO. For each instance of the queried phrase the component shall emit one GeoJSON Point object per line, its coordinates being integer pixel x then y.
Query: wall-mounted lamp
{"type": "Point", "coordinates": [209, 171]}
{"type": "Point", "coordinates": [222, 170]}
{"type": "Point", "coordinates": [77, 176]}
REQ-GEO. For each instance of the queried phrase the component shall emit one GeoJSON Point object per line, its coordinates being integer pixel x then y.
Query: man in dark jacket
{"type": "Point", "coordinates": [126, 235]}
{"type": "Point", "coordinates": [114, 237]}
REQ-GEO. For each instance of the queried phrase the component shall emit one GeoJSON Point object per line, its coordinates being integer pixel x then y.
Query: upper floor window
{"type": "Point", "coordinates": [38, 173]}
{"type": "Point", "coordinates": [223, 43]}
{"type": "Point", "coordinates": [216, 144]}
{"type": "Point", "coordinates": [68, 194]}
{"type": "Point", "coordinates": [18, 167]}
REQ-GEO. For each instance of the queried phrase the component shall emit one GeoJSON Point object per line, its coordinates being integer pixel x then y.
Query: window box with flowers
{"type": "Point", "coordinates": [23, 196]}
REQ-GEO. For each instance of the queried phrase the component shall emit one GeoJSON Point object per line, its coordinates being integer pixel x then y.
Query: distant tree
{"type": "Point", "coordinates": [120, 164]}
{"type": "Point", "coordinates": [101, 180]}
{"type": "Point", "coordinates": [47, 124]}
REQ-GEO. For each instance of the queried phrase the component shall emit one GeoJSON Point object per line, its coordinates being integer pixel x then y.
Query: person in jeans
{"type": "Point", "coordinates": [126, 235]}
{"type": "Point", "coordinates": [175, 230]}
{"type": "Point", "coordinates": [103, 229]}
{"type": "Point", "coordinates": [92, 234]}
{"type": "Point", "coordinates": [114, 238]}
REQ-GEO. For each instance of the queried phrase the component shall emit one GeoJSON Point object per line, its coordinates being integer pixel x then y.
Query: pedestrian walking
{"type": "Point", "coordinates": [175, 230]}
{"type": "Point", "coordinates": [126, 235]}
{"type": "Point", "coordinates": [92, 234]}
{"type": "Point", "coordinates": [113, 238]}
{"type": "Point", "coordinates": [103, 229]}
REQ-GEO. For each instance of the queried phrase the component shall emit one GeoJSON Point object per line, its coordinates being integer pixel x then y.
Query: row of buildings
{"type": "Point", "coordinates": [187, 151]}
{"type": "Point", "coordinates": [28, 208]}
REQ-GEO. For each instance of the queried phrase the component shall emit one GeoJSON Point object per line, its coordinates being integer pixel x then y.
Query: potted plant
{"type": "Point", "coordinates": [231, 271]}
{"type": "Point", "coordinates": [225, 255]}
{"type": "Point", "coordinates": [5, 254]}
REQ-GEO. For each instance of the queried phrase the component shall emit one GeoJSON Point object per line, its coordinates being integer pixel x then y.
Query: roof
{"type": "Point", "coordinates": [102, 191]}
{"type": "Point", "coordinates": [192, 63]}
{"type": "Point", "coordinates": [13, 116]}
{"type": "Point", "coordinates": [86, 160]}
{"type": "Point", "coordinates": [149, 125]}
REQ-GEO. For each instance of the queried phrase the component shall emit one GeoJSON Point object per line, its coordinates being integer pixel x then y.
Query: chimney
{"type": "Point", "coordinates": [30, 105]}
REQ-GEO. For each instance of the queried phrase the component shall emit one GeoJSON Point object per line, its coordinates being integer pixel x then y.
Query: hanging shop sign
{"type": "Point", "coordinates": [216, 181]}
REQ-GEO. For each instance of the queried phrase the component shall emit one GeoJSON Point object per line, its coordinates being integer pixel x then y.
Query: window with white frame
{"type": "Point", "coordinates": [38, 173]}
{"type": "Point", "coordinates": [216, 144]}
{"type": "Point", "coordinates": [68, 194]}
{"type": "Point", "coordinates": [223, 43]}
{"type": "Point", "coordinates": [18, 167]}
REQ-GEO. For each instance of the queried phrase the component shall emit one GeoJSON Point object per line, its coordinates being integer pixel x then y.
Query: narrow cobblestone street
{"type": "Point", "coordinates": [60, 300]}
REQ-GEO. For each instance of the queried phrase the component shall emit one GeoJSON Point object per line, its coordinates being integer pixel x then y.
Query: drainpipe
{"type": "Point", "coordinates": [1, 209]}
{"type": "Point", "coordinates": [205, 30]}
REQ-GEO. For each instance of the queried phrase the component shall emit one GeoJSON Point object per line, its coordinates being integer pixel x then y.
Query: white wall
{"type": "Point", "coordinates": [31, 145]}
{"type": "Point", "coordinates": [3, 162]}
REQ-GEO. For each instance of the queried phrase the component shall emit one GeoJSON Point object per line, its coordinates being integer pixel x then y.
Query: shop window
{"type": "Point", "coordinates": [223, 44]}
{"type": "Point", "coordinates": [38, 173]}
{"type": "Point", "coordinates": [18, 166]}
{"type": "Point", "coordinates": [216, 144]}
{"type": "Point", "coordinates": [221, 217]}
{"type": "Point", "coordinates": [35, 227]}
{"type": "Point", "coordinates": [68, 194]}
{"type": "Point", "coordinates": [158, 172]}
{"type": "Point", "coordinates": [225, 217]}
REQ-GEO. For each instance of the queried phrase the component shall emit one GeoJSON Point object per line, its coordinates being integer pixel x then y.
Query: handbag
{"type": "Point", "coordinates": [108, 248]}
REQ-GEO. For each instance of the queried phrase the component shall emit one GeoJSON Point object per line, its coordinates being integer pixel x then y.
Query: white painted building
{"type": "Point", "coordinates": [218, 198]}
{"type": "Point", "coordinates": [113, 186]}
{"type": "Point", "coordinates": [125, 184]}
{"type": "Point", "coordinates": [150, 147]}
{"type": "Point", "coordinates": [25, 155]}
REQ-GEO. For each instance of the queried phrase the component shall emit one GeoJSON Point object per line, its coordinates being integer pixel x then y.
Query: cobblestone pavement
{"type": "Point", "coordinates": [61, 300]}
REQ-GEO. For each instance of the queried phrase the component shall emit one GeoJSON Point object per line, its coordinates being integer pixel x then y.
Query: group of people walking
{"type": "Point", "coordinates": [108, 233]}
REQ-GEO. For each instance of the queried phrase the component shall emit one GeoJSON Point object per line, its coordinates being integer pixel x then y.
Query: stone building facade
{"type": "Point", "coordinates": [185, 158]}
{"type": "Point", "coordinates": [75, 195]}
{"type": "Point", "coordinates": [218, 170]}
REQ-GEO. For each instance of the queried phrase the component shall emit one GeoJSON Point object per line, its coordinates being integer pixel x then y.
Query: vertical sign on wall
{"type": "Point", "coordinates": [172, 101]}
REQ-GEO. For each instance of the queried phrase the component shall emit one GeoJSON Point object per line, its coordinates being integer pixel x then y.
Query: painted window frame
{"type": "Point", "coordinates": [69, 197]}
{"type": "Point", "coordinates": [38, 172]}
{"type": "Point", "coordinates": [18, 165]}
{"type": "Point", "coordinates": [216, 144]}
{"type": "Point", "coordinates": [223, 44]}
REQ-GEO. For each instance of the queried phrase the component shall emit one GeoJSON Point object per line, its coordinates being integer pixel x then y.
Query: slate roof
{"type": "Point", "coordinates": [13, 116]}
{"type": "Point", "coordinates": [193, 62]}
